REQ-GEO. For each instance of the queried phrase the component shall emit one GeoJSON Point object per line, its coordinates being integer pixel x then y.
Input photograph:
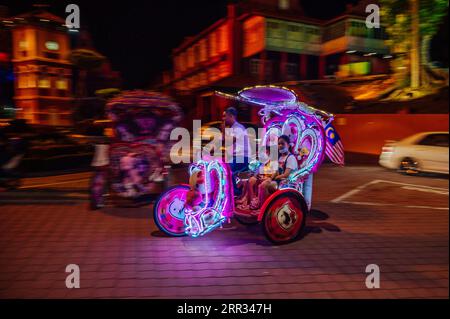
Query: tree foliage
{"type": "Point", "coordinates": [396, 15]}
{"type": "Point", "coordinates": [431, 15]}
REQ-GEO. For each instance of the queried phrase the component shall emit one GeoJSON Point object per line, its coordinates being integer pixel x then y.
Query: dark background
{"type": "Point", "coordinates": [138, 36]}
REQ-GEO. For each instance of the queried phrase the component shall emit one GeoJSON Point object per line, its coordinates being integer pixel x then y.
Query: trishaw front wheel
{"type": "Point", "coordinates": [168, 211]}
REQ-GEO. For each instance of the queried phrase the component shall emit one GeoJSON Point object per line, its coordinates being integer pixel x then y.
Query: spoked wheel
{"type": "Point", "coordinates": [98, 191]}
{"type": "Point", "coordinates": [168, 211]}
{"type": "Point", "coordinates": [284, 217]}
{"type": "Point", "coordinates": [409, 166]}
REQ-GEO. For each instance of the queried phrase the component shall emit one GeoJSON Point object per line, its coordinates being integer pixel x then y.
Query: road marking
{"type": "Point", "coordinates": [52, 184]}
{"type": "Point", "coordinates": [422, 188]}
{"type": "Point", "coordinates": [435, 191]}
{"type": "Point", "coordinates": [387, 204]}
{"type": "Point", "coordinates": [407, 184]}
{"type": "Point", "coordinates": [428, 207]}
{"type": "Point", "coordinates": [353, 192]}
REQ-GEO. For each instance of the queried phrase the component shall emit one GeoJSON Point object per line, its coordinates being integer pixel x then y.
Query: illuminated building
{"type": "Point", "coordinates": [43, 74]}
{"type": "Point", "coordinates": [268, 41]}
{"type": "Point", "coordinates": [6, 73]}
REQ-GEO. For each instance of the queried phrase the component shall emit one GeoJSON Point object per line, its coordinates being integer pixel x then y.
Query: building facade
{"type": "Point", "coordinates": [6, 71]}
{"type": "Point", "coordinates": [269, 41]}
{"type": "Point", "coordinates": [43, 73]}
{"type": "Point", "coordinates": [36, 74]}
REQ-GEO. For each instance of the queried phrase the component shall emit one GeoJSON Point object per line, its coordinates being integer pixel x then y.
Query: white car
{"type": "Point", "coordinates": [422, 152]}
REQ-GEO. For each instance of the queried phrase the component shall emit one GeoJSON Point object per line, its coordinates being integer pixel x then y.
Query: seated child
{"type": "Point", "coordinates": [251, 186]}
{"type": "Point", "coordinates": [287, 163]}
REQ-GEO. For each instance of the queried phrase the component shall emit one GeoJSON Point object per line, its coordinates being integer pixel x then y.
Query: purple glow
{"type": "Point", "coordinates": [218, 202]}
{"type": "Point", "coordinates": [281, 113]}
{"type": "Point", "coordinates": [268, 95]}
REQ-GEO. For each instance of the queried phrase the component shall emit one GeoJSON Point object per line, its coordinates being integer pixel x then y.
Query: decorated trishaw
{"type": "Point", "coordinates": [132, 165]}
{"type": "Point", "coordinates": [283, 214]}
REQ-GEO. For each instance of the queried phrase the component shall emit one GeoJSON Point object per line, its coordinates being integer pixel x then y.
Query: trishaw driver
{"type": "Point", "coordinates": [240, 150]}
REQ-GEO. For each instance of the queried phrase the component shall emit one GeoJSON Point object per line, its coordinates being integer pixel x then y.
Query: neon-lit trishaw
{"type": "Point", "coordinates": [131, 167]}
{"type": "Point", "coordinates": [282, 215]}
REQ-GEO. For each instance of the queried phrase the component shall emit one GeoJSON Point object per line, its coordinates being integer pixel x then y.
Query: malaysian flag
{"type": "Point", "coordinates": [334, 148]}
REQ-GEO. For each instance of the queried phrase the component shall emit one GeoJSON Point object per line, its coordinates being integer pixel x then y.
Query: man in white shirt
{"type": "Point", "coordinates": [237, 145]}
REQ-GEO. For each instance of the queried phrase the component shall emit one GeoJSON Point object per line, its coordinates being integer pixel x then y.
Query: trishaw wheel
{"type": "Point", "coordinates": [168, 211]}
{"type": "Point", "coordinates": [284, 217]}
{"type": "Point", "coordinates": [98, 190]}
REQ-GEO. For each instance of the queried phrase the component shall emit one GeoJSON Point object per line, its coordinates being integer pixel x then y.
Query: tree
{"type": "Point", "coordinates": [397, 14]}
{"type": "Point", "coordinates": [394, 14]}
{"type": "Point", "coordinates": [431, 15]}
{"type": "Point", "coordinates": [415, 44]}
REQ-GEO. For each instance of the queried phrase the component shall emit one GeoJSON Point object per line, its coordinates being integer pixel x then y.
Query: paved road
{"type": "Point", "coordinates": [362, 215]}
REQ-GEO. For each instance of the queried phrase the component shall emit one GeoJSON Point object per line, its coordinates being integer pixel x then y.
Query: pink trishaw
{"type": "Point", "coordinates": [130, 167]}
{"type": "Point", "coordinates": [283, 214]}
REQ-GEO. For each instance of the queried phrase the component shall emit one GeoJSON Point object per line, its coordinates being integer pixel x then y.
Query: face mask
{"type": "Point", "coordinates": [284, 150]}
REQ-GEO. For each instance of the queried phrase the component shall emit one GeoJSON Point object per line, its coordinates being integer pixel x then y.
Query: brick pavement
{"type": "Point", "coordinates": [121, 254]}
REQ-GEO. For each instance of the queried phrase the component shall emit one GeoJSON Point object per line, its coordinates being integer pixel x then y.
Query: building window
{"type": "Point", "coordinates": [196, 54]}
{"type": "Point", "coordinates": [23, 45]}
{"type": "Point", "coordinates": [358, 29]}
{"type": "Point", "coordinates": [283, 4]}
{"type": "Point", "coordinates": [52, 55]}
{"type": "Point", "coordinates": [256, 65]}
{"type": "Point", "coordinates": [32, 81]}
{"type": "Point", "coordinates": [52, 45]}
{"type": "Point", "coordinates": [293, 28]}
{"type": "Point", "coordinates": [44, 82]}
{"type": "Point", "coordinates": [190, 53]}
{"type": "Point", "coordinates": [22, 82]}
{"type": "Point", "coordinates": [23, 48]}
{"type": "Point", "coordinates": [61, 84]}
{"type": "Point", "coordinates": [274, 30]}
{"type": "Point", "coordinates": [334, 31]}
{"type": "Point", "coordinates": [203, 50]}
{"type": "Point", "coordinates": [291, 70]}
{"type": "Point", "coordinates": [213, 44]}
{"type": "Point", "coordinates": [379, 33]}
{"type": "Point", "coordinates": [223, 38]}
{"type": "Point", "coordinates": [273, 25]}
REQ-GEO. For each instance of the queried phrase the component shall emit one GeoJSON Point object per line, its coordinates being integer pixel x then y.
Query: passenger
{"type": "Point", "coordinates": [287, 163]}
{"type": "Point", "coordinates": [250, 195]}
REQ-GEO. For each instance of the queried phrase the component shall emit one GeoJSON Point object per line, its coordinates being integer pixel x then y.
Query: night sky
{"type": "Point", "coordinates": [138, 36]}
